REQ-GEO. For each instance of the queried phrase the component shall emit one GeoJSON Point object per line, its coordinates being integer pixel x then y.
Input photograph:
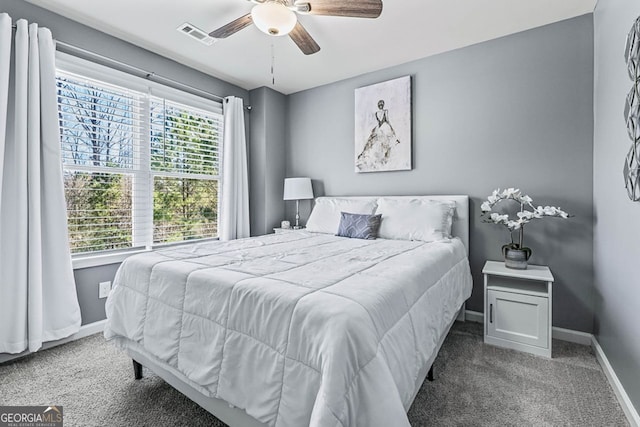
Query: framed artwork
{"type": "Point", "coordinates": [383, 126]}
{"type": "Point", "coordinates": [632, 113]}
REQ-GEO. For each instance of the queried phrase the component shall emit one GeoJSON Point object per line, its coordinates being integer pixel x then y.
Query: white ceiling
{"type": "Point", "coordinates": [406, 30]}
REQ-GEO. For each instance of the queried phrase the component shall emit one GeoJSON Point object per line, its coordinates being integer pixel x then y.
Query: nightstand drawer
{"type": "Point", "coordinates": [518, 318]}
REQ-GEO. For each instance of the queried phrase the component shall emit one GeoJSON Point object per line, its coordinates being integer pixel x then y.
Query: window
{"type": "Point", "coordinates": [185, 164]}
{"type": "Point", "coordinates": [140, 168]}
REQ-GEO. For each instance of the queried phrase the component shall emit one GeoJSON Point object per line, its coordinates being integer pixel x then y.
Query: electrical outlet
{"type": "Point", "coordinates": [104, 289]}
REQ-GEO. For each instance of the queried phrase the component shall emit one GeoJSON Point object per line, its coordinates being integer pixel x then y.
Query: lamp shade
{"type": "Point", "coordinates": [273, 18]}
{"type": "Point", "coordinates": [297, 189]}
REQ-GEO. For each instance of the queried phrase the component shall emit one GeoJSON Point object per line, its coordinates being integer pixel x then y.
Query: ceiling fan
{"type": "Point", "coordinates": [278, 18]}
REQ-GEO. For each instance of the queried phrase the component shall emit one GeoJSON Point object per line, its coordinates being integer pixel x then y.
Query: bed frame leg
{"type": "Point", "coordinates": [430, 374]}
{"type": "Point", "coordinates": [137, 370]}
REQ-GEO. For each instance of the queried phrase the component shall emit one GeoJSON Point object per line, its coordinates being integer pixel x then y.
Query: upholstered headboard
{"type": "Point", "coordinates": [460, 226]}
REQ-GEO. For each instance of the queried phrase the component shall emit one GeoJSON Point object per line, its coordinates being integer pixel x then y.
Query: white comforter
{"type": "Point", "coordinates": [296, 328]}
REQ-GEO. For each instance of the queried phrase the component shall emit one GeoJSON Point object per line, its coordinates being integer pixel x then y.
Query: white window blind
{"type": "Point", "coordinates": [99, 123]}
{"type": "Point", "coordinates": [184, 140]}
{"type": "Point", "coordinates": [185, 146]}
{"type": "Point", "coordinates": [138, 169]}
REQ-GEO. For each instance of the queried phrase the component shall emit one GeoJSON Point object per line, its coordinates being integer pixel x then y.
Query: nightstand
{"type": "Point", "coordinates": [278, 230]}
{"type": "Point", "coordinates": [517, 307]}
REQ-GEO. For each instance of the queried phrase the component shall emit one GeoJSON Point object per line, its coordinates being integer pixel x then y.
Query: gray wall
{"type": "Point", "coordinates": [266, 162]}
{"type": "Point", "coordinates": [85, 37]}
{"type": "Point", "coordinates": [516, 111]}
{"type": "Point", "coordinates": [87, 279]}
{"type": "Point", "coordinates": [617, 219]}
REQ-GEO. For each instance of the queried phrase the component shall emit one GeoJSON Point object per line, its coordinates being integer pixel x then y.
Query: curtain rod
{"type": "Point", "coordinates": [149, 75]}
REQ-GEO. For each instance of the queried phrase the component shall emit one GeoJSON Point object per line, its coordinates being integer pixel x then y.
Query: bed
{"type": "Point", "coordinates": [297, 328]}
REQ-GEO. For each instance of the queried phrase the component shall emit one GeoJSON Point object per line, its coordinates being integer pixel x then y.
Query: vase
{"type": "Point", "coordinates": [516, 258]}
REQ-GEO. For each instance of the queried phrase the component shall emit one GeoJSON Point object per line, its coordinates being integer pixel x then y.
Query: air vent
{"type": "Point", "coordinates": [196, 33]}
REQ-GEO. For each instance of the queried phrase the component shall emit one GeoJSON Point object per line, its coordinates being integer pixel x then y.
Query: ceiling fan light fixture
{"type": "Point", "coordinates": [273, 18]}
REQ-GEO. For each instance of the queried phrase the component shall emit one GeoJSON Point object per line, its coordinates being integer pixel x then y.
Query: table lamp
{"type": "Point", "coordinates": [297, 189]}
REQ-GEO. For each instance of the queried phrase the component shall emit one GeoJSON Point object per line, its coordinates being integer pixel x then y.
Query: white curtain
{"type": "Point", "coordinates": [234, 216]}
{"type": "Point", "coordinates": [38, 300]}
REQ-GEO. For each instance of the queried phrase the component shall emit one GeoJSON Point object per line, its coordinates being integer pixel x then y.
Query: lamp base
{"type": "Point", "coordinates": [297, 227]}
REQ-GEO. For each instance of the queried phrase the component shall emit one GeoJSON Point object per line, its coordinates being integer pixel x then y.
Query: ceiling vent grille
{"type": "Point", "coordinates": [196, 33]}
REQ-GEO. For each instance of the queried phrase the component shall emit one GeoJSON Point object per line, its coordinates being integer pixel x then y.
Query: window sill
{"type": "Point", "coordinates": [96, 260]}
{"type": "Point", "coordinates": [88, 261]}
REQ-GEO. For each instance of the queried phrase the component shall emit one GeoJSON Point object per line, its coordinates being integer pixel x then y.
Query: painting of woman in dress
{"type": "Point", "coordinates": [379, 145]}
{"type": "Point", "coordinates": [377, 150]}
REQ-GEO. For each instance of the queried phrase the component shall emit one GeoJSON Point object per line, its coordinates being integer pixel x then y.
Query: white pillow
{"type": "Point", "coordinates": [415, 219]}
{"type": "Point", "coordinates": [325, 217]}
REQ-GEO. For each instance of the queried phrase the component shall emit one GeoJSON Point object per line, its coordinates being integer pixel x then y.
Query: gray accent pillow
{"type": "Point", "coordinates": [359, 226]}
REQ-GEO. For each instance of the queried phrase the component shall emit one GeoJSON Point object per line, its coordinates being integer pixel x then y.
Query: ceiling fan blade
{"type": "Point", "coordinates": [303, 39]}
{"type": "Point", "coordinates": [353, 8]}
{"type": "Point", "coordinates": [232, 27]}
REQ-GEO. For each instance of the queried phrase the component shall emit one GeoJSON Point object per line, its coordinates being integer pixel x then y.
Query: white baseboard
{"type": "Point", "coordinates": [623, 398]}
{"type": "Point", "coordinates": [585, 338]}
{"type": "Point", "coordinates": [474, 316]}
{"type": "Point", "coordinates": [85, 331]}
{"type": "Point", "coordinates": [561, 334]}
{"type": "Point", "coordinates": [578, 337]}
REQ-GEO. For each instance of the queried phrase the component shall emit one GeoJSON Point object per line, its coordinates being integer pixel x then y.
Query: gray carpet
{"type": "Point", "coordinates": [476, 385]}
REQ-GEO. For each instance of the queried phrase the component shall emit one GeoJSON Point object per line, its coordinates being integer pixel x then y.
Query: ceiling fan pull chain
{"type": "Point", "coordinates": [273, 62]}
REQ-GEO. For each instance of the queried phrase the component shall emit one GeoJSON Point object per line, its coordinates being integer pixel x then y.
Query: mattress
{"type": "Point", "coordinates": [294, 328]}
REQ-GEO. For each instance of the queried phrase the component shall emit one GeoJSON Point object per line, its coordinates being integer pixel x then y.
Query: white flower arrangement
{"type": "Point", "coordinates": [524, 216]}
